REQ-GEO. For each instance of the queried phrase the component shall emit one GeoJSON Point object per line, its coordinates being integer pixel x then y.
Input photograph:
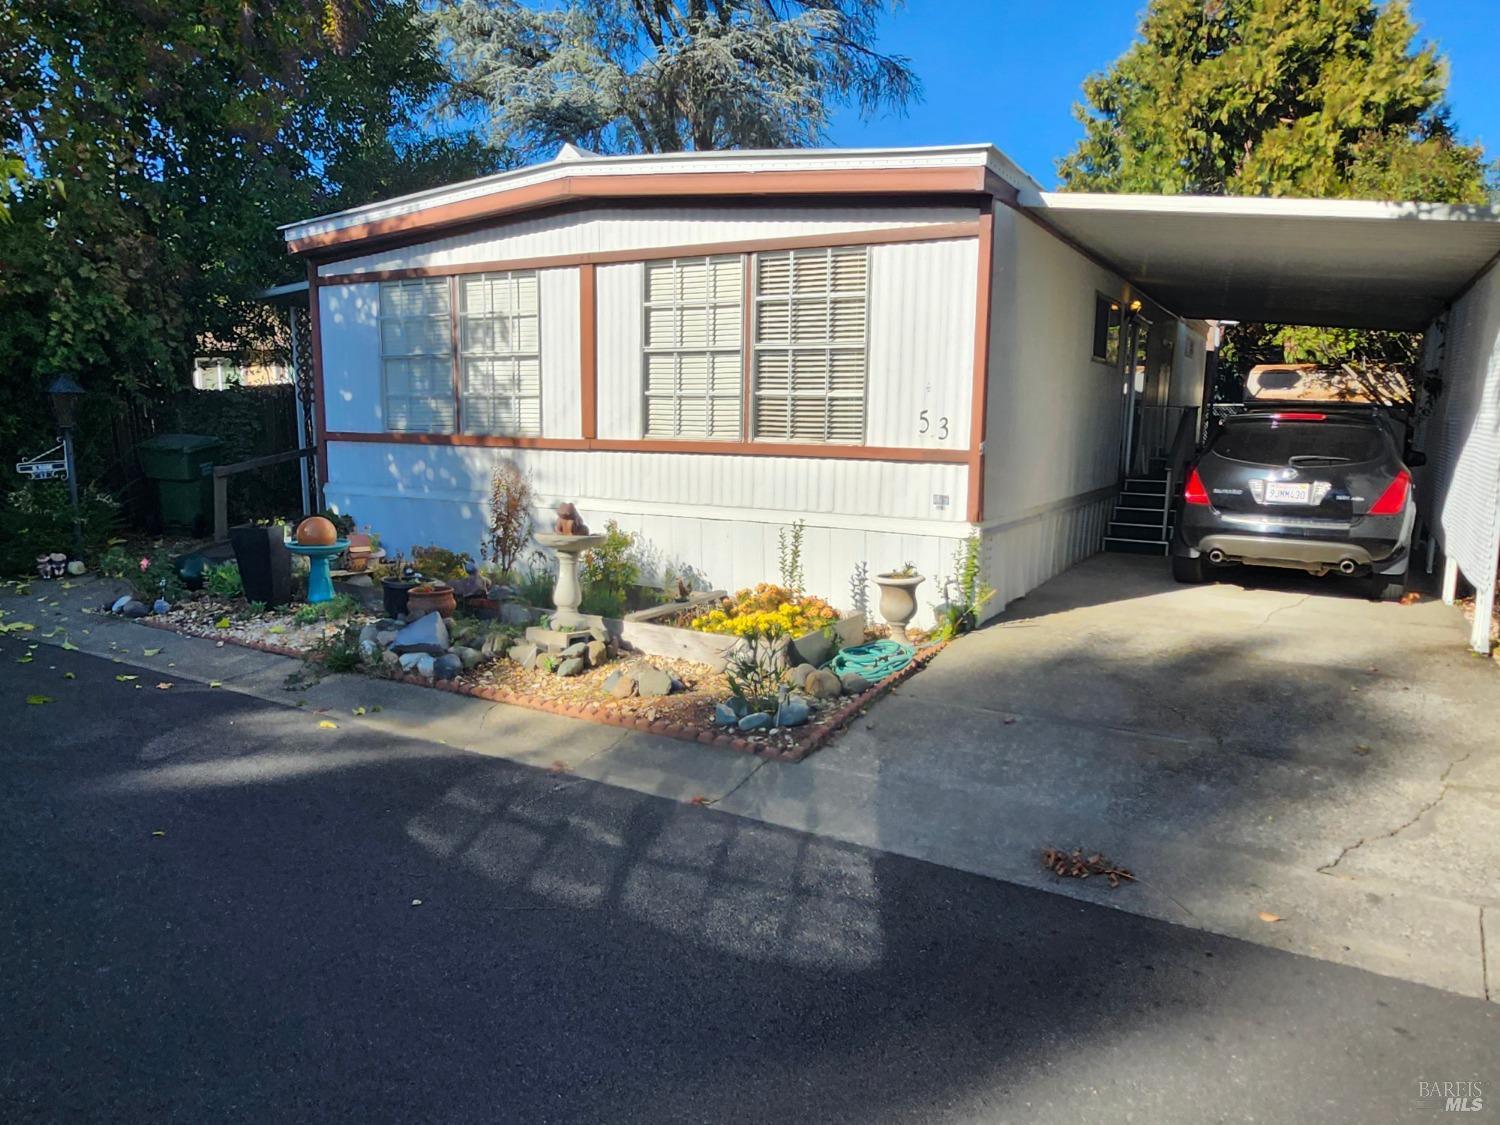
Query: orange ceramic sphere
{"type": "Point", "coordinates": [315, 531]}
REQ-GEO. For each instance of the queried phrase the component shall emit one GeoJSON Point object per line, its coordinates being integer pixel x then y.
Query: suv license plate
{"type": "Point", "coordinates": [1279, 492]}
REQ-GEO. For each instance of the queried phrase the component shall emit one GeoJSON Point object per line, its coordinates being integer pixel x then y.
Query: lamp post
{"type": "Point", "coordinates": [65, 392]}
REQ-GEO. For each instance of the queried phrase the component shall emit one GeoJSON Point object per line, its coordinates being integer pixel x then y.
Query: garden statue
{"type": "Point", "coordinates": [569, 522]}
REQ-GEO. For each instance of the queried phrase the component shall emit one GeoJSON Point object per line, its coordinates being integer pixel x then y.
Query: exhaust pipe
{"type": "Point", "coordinates": [1216, 556]}
{"type": "Point", "coordinates": [1348, 566]}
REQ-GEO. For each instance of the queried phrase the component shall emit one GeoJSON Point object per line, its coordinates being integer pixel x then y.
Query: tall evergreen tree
{"type": "Point", "coordinates": [667, 75]}
{"type": "Point", "coordinates": [1309, 98]}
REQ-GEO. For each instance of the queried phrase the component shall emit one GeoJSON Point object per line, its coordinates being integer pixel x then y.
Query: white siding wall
{"type": "Point", "coordinates": [1053, 441]}
{"type": "Point", "coordinates": [1187, 366]}
{"type": "Point", "coordinates": [618, 297]}
{"type": "Point", "coordinates": [1460, 487]}
{"type": "Point", "coordinates": [600, 230]}
{"type": "Point", "coordinates": [715, 516]}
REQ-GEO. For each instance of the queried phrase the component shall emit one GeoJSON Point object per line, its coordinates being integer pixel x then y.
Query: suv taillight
{"type": "Point", "coordinates": [1393, 499]}
{"type": "Point", "coordinates": [1194, 492]}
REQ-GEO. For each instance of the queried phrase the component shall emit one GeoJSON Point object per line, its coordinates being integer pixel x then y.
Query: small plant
{"type": "Point", "coordinates": [608, 571]}
{"type": "Point", "coordinates": [156, 578]}
{"type": "Point", "coordinates": [510, 516]}
{"type": "Point", "coordinates": [438, 564]}
{"type": "Point", "coordinates": [754, 673]}
{"type": "Point", "coordinates": [223, 581]}
{"type": "Point", "coordinates": [767, 611]}
{"type": "Point", "coordinates": [115, 563]}
{"type": "Point", "coordinates": [789, 550]}
{"type": "Point", "coordinates": [339, 651]}
{"type": "Point", "coordinates": [906, 570]}
{"type": "Point", "coordinates": [534, 585]}
{"type": "Point", "coordinates": [967, 592]}
{"type": "Point", "coordinates": [335, 609]}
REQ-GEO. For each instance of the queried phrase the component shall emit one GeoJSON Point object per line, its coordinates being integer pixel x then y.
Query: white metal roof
{"type": "Point", "coordinates": [1351, 263]}
{"type": "Point", "coordinates": [570, 161]}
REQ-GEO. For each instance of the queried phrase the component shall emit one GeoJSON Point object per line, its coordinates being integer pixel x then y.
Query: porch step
{"type": "Point", "coordinates": [1145, 486]}
{"type": "Point", "coordinates": [1139, 533]}
{"type": "Point", "coordinates": [1133, 546]}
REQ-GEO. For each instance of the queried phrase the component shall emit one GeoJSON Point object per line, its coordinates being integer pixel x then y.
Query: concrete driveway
{"type": "Point", "coordinates": [1279, 746]}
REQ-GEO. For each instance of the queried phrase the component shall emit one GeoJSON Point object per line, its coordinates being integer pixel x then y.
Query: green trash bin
{"type": "Point", "coordinates": [181, 465]}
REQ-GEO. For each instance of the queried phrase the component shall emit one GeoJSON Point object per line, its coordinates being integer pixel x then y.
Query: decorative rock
{"type": "Point", "coordinates": [792, 713]}
{"type": "Point", "coordinates": [524, 655]}
{"type": "Point", "coordinates": [369, 650]}
{"type": "Point", "coordinates": [495, 645]}
{"type": "Point", "coordinates": [428, 634]}
{"type": "Point", "coordinates": [598, 653]}
{"type": "Point", "coordinates": [854, 683]}
{"type": "Point", "coordinates": [470, 586]}
{"type": "Point", "coordinates": [119, 604]}
{"type": "Point", "coordinates": [160, 605]}
{"type": "Point", "coordinates": [385, 638]}
{"type": "Point", "coordinates": [738, 705]}
{"type": "Point", "coordinates": [514, 613]}
{"type": "Point", "coordinates": [387, 624]}
{"type": "Point", "coordinates": [579, 651]}
{"type": "Point", "coordinates": [599, 633]}
{"type": "Point", "coordinates": [653, 682]}
{"type": "Point", "coordinates": [798, 675]}
{"type": "Point", "coordinates": [757, 721]}
{"type": "Point", "coordinates": [390, 660]}
{"type": "Point", "coordinates": [823, 685]}
{"type": "Point", "coordinates": [572, 666]}
{"type": "Point", "coordinates": [409, 661]}
{"type": "Point", "coordinates": [426, 665]}
{"type": "Point", "coordinates": [368, 633]}
{"type": "Point", "coordinates": [77, 569]}
{"type": "Point", "coordinates": [470, 657]}
{"type": "Point", "coordinates": [724, 715]}
{"type": "Point", "coordinates": [621, 685]}
{"type": "Point", "coordinates": [447, 666]}
{"type": "Point", "coordinates": [133, 608]}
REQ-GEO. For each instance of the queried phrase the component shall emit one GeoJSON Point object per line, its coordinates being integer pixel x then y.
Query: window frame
{"type": "Point", "coordinates": [460, 352]}
{"type": "Point", "coordinates": [648, 350]}
{"type": "Point", "coordinates": [789, 349]}
{"type": "Point", "coordinates": [385, 357]}
{"type": "Point", "coordinates": [1114, 350]}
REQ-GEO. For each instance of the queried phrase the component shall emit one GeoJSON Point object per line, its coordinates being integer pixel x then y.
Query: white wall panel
{"type": "Point", "coordinates": [921, 343]}
{"type": "Point", "coordinates": [561, 358]}
{"type": "Point", "coordinates": [618, 297]}
{"type": "Point", "coordinates": [604, 229]}
{"type": "Point", "coordinates": [349, 327]}
{"type": "Point", "coordinates": [1054, 412]}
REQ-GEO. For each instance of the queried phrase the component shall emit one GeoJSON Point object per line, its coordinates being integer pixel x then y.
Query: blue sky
{"type": "Point", "coordinates": [1009, 72]}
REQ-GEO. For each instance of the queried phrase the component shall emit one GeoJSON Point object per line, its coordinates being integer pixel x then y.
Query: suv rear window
{"type": "Point", "coordinates": [1268, 442]}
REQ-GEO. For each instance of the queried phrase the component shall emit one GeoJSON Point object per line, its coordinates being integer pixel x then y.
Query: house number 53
{"type": "Point", "coordinates": [942, 426]}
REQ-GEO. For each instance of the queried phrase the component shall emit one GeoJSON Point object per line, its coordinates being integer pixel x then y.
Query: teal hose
{"type": "Point", "coordinates": [874, 661]}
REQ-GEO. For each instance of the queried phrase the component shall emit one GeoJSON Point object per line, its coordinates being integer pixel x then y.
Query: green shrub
{"type": "Point", "coordinates": [37, 519]}
{"type": "Point", "coordinates": [967, 592]}
{"type": "Point", "coordinates": [608, 571]}
{"type": "Point", "coordinates": [340, 651]}
{"type": "Point", "coordinates": [223, 581]}
{"type": "Point", "coordinates": [156, 577]}
{"type": "Point", "coordinates": [438, 564]}
{"type": "Point", "coordinates": [536, 583]}
{"type": "Point", "coordinates": [335, 609]}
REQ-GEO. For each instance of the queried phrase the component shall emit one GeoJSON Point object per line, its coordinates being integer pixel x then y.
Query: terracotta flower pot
{"type": "Point", "coordinates": [898, 602]}
{"type": "Point", "coordinates": [422, 600]}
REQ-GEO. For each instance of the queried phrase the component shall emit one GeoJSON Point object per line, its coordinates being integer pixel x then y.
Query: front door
{"type": "Point", "coordinates": [1133, 384]}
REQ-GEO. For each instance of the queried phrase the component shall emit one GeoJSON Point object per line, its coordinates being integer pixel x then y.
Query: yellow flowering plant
{"type": "Point", "coordinates": [767, 610]}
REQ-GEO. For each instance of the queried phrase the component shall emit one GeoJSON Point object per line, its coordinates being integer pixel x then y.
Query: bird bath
{"type": "Point", "coordinates": [319, 584]}
{"type": "Point", "coordinates": [566, 594]}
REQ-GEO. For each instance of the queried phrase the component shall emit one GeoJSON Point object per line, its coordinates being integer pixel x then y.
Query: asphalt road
{"type": "Point", "coordinates": [213, 909]}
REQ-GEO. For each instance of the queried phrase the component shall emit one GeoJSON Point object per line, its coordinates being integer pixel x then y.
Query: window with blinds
{"type": "Point", "coordinates": [416, 355]}
{"type": "Point", "coordinates": [693, 347]}
{"type": "Point", "coordinates": [500, 361]}
{"type": "Point", "coordinates": [810, 361]}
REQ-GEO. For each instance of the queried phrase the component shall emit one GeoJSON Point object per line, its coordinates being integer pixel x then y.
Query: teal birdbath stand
{"type": "Point", "coordinates": [319, 584]}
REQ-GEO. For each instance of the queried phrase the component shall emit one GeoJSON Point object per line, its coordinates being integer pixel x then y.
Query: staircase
{"type": "Point", "coordinates": [1142, 520]}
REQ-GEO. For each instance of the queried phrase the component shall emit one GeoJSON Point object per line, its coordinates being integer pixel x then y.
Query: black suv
{"type": "Point", "coordinates": [1314, 490]}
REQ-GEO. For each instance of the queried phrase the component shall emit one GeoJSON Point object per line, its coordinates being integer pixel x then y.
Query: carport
{"type": "Point", "coordinates": [1340, 263]}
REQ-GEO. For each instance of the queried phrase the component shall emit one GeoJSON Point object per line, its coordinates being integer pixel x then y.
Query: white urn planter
{"type": "Point", "coordinates": [898, 602]}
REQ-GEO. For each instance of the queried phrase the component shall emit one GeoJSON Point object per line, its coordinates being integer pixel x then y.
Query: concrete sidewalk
{"type": "Point", "coordinates": [1028, 735]}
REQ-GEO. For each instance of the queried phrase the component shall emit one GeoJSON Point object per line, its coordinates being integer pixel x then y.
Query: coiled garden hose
{"type": "Point", "coordinates": [874, 661]}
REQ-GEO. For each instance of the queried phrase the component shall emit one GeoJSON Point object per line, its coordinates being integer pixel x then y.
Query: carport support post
{"type": "Point", "coordinates": [1484, 609]}
{"type": "Point", "coordinates": [1450, 580]}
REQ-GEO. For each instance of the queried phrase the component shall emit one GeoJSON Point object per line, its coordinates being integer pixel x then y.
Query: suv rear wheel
{"type": "Point", "coordinates": [1189, 570]}
{"type": "Point", "coordinates": [1384, 587]}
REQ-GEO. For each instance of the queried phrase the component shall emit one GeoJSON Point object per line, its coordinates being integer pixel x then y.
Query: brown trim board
{"type": "Point", "coordinates": [979, 401]}
{"type": "Point", "coordinates": [719, 448]}
{"type": "Point", "coordinates": [588, 352]}
{"type": "Point", "coordinates": [931, 232]}
{"type": "Point", "coordinates": [656, 185]}
{"type": "Point", "coordinates": [315, 332]}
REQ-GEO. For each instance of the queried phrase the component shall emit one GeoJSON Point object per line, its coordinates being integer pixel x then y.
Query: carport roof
{"type": "Point", "coordinates": [1293, 261]}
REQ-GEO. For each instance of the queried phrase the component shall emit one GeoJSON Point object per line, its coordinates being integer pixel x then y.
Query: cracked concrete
{"type": "Point", "coordinates": [1209, 738]}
